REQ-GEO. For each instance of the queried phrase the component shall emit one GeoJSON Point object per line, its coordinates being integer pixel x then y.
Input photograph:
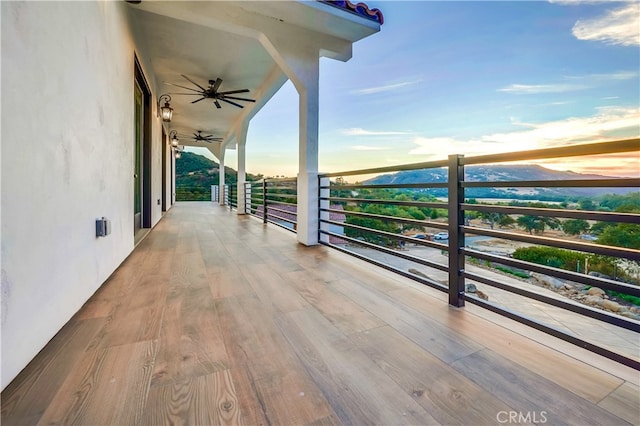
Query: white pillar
{"type": "Point", "coordinates": [241, 141]}
{"type": "Point", "coordinates": [300, 61]}
{"type": "Point", "coordinates": [308, 90]}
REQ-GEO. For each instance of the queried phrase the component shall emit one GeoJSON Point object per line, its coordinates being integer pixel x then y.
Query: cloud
{"type": "Point", "coordinates": [607, 124]}
{"type": "Point", "coordinates": [604, 77]}
{"type": "Point", "coordinates": [572, 83]}
{"type": "Point", "coordinates": [533, 89]}
{"type": "Point", "coordinates": [357, 131]}
{"type": "Point", "coordinates": [386, 88]}
{"type": "Point", "coordinates": [368, 148]}
{"type": "Point", "coordinates": [617, 26]}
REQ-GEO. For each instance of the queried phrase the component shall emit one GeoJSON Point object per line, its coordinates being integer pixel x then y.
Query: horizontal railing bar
{"type": "Point", "coordinates": [270, 209]}
{"type": "Point", "coordinates": [391, 218]}
{"type": "Point", "coordinates": [537, 211]}
{"type": "Point", "coordinates": [629, 362]}
{"type": "Point", "coordinates": [573, 307]}
{"type": "Point", "coordinates": [600, 148]}
{"type": "Point", "coordinates": [626, 253]}
{"type": "Point", "coordinates": [269, 215]}
{"type": "Point", "coordinates": [392, 202]}
{"type": "Point", "coordinates": [417, 241]}
{"type": "Point", "coordinates": [281, 226]}
{"type": "Point", "coordinates": [402, 167]}
{"type": "Point", "coordinates": [270, 194]}
{"type": "Point", "coordinates": [279, 203]}
{"type": "Point", "coordinates": [388, 185]}
{"type": "Point", "coordinates": [570, 183]}
{"type": "Point", "coordinates": [279, 180]}
{"type": "Point", "coordinates": [419, 260]}
{"type": "Point", "coordinates": [433, 284]}
{"type": "Point", "coordinates": [557, 272]}
{"type": "Point", "coordinates": [283, 188]}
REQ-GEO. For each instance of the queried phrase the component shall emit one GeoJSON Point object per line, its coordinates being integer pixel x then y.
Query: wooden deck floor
{"type": "Point", "coordinates": [216, 319]}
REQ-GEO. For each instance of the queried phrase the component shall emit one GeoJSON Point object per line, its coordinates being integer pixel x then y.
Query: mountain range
{"type": "Point", "coordinates": [503, 173]}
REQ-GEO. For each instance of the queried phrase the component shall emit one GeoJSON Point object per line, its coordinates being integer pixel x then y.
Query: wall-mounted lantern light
{"type": "Point", "coordinates": [178, 154]}
{"type": "Point", "coordinates": [166, 112]}
{"type": "Point", "coordinates": [173, 138]}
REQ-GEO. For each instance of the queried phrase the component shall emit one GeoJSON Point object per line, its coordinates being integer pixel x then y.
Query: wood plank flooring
{"type": "Point", "coordinates": [218, 319]}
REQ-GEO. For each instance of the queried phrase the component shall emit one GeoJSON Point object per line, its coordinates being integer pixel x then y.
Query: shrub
{"type": "Point", "coordinates": [551, 256]}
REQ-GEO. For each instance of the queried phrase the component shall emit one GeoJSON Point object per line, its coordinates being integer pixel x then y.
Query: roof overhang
{"type": "Point", "coordinates": [205, 40]}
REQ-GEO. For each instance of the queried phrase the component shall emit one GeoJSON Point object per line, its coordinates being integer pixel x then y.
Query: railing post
{"type": "Point", "coordinates": [264, 200]}
{"type": "Point", "coordinates": [230, 197]}
{"type": "Point", "coordinates": [324, 204]}
{"type": "Point", "coordinates": [456, 238]}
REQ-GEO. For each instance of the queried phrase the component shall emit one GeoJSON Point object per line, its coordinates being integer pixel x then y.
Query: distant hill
{"type": "Point", "coordinates": [196, 173]}
{"type": "Point", "coordinates": [503, 173]}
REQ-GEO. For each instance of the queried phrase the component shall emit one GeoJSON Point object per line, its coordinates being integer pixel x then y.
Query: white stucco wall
{"type": "Point", "coordinates": [67, 159]}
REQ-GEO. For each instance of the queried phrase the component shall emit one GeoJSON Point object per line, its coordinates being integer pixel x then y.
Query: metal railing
{"type": "Point", "coordinates": [215, 193]}
{"type": "Point", "coordinates": [274, 200]}
{"type": "Point", "coordinates": [231, 196]}
{"type": "Point", "coordinates": [379, 217]}
{"type": "Point", "coordinates": [192, 193]}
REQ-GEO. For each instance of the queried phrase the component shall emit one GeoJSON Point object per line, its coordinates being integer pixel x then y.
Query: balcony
{"type": "Point", "coordinates": [218, 319]}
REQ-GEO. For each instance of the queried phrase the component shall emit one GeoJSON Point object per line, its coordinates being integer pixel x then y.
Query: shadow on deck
{"type": "Point", "coordinates": [215, 318]}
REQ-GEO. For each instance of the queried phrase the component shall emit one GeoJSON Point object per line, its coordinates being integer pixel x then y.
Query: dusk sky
{"type": "Point", "coordinates": [468, 78]}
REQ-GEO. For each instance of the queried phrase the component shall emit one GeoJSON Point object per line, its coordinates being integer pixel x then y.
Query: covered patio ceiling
{"type": "Point", "coordinates": [240, 43]}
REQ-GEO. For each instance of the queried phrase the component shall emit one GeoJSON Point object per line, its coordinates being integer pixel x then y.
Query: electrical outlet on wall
{"type": "Point", "coordinates": [158, 201]}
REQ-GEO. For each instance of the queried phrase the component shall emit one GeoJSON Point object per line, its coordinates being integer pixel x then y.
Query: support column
{"type": "Point", "coordinates": [308, 205]}
{"type": "Point", "coordinates": [241, 141]}
{"type": "Point", "coordinates": [300, 61]}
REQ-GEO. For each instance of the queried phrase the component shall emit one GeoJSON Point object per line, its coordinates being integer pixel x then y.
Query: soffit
{"type": "Point", "coordinates": [206, 40]}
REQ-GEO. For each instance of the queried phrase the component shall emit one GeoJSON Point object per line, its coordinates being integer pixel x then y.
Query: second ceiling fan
{"type": "Point", "coordinates": [211, 92]}
{"type": "Point", "coordinates": [199, 137]}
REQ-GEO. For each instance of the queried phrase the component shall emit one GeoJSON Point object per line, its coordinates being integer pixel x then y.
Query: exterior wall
{"type": "Point", "coordinates": [67, 159]}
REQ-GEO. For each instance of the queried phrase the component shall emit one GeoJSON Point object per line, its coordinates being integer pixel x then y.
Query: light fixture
{"type": "Point", "coordinates": [178, 154]}
{"type": "Point", "coordinates": [166, 112]}
{"type": "Point", "coordinates": [173, 137]}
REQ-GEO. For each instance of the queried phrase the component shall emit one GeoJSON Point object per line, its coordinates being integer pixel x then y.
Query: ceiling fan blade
{"type": "Point", "coordinates": [217, 84]}
{"type": "Point", "coordinates": [203, 89]}
{"type": "Point", "coordinates": [238, 99]}
{"type": "Point", "coordinates": [198, 100]}
{"type": "Point", "coordinates": [232, 92]}
{"type": "Point", "coordinates": [217, 104]}
{"type": "Point", "coordinates": [232, 103]}
{"type": "Point", "coordinates": [182, 87]}
{"type": "Point", "coordinates": [191, 94]}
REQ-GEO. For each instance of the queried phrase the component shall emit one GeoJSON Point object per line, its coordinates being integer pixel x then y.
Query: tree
{"type": "Point", "coordinates": [537, 224]}
{"type": "Point", "coordinates": [575, 226]}
{"type": "Point", "coordinates": [506, 221]}
{"type": "Point", "coordinates": [622, 235]}
{"type": "Point", "coordinates": [490, 217]}
{"type": "Point", "coordinates": [503, 220]}
{"type": "Point", "coordinates": [586, 204]}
